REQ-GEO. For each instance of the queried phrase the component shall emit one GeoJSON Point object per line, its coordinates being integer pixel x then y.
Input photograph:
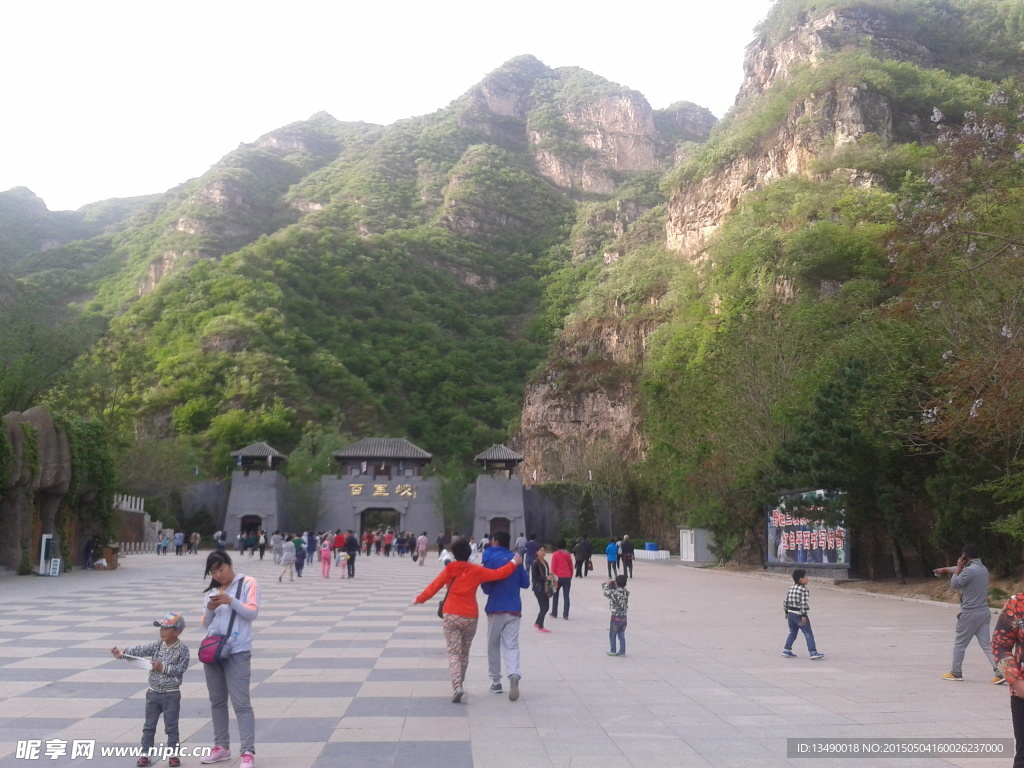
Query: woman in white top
{"type": "Point", "coordinates": [230, 594]}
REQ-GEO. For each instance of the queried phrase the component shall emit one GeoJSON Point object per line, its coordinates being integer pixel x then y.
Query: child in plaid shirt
{"type": "Point", "coordinates": [796, 606]}
{"type": "Point", "coordinates": [168, 658]}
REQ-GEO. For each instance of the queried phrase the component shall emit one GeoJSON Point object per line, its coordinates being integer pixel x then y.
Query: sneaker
{"type": "Point", "coordinates": [174, 762]}
{"type": "Point", "coordinates": [815, 656]}
{"type": "Point", "coordinates": [495, 687]}
{"type": "Point", "coordinates": [248, 760]}
{"type": "Point", "coordinates": [513, 688]}
{"type": "Point", "coordinates": [543, 629]}
{"type": "Point", "coordinates": [789, 654]}
{"type": "Point", "coordinates": [951, 676]}
{"type": "Point", "coordinates": [142, 762]}
{"type": "Point", "coordinates": [612, 653]}
{"type": "Point", "coordinates": [457, 696]}
{"type": "Point", "coordinates": [217, 755]}
{"type": "Point", "coordinates": [998, 680]}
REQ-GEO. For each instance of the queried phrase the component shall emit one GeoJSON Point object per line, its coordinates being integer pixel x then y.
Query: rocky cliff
{"type": "Point", "coordinates": [817, 123]}
{"type": "Point", "coordinates": [557, 420]}
{"type": "Point", "coordinates": [38, 477]}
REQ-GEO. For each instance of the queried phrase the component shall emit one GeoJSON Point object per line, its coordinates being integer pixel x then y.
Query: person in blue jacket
{"type": "Point", "coordinates": [612, 553]}
{"type": "Point", "coordinates": [504, 611]}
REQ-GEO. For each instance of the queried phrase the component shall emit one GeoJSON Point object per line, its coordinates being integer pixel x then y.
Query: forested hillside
{"type": "Point", "coordinates": [678, 318]}
{"type": "Point", "coordinates": [832, 300]}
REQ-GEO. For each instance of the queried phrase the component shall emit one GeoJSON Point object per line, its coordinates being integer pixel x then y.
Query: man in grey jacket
{"type": "Point", "coordinates": [970, 579]}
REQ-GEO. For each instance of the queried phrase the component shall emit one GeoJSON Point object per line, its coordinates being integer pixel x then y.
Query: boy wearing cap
{"type": "Point", "coordinates": [169, 659]}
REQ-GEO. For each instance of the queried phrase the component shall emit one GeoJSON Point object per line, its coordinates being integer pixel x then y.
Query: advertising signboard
{"type": "Point", "coordinates": [807, 528]}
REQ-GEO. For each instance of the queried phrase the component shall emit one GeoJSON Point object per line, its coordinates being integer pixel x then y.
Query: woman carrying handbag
{"type": "Point", "coordinates": [539, 573]}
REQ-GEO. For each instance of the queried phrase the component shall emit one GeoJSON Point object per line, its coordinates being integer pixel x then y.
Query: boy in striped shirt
{"type": "Point", "coordinates": [796, 605]}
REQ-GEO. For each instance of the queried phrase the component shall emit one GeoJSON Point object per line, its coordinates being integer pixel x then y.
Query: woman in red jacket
{"type": "Point", "coordinates": [561, 567]}
{"type": "Point", "coordinates": [460, 611]}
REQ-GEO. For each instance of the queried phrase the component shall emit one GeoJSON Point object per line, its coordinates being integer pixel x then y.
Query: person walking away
{"type": "Point", "coordinates": [194, 541]}
{"type": "Point", "coordinates": [969, 577]}
{"type": "Point", "coordinates": [460, 612]}
{"type": "Point", "coordinates": [325, 557]}
{"type": "Point", "coordinates": [300, 559]}
{"type": "Point", "coordinates": [421, 548]}
{"type": "Point", "coordinates": [339, 546]}
{"type": "Point", "coordinates": [580, 556]}
{"type": "Point", "coordinates": [288, 560]}
{"type": "Point", "coordinates": [351, 549]}
{"type": "Point", "coordinates": [521, 545]}
{"type": "Point", "coordinates": [561, 568]}
{"type": "Point", "coordinates": [311, 544]}
{"type": "Point", "coordinates": [796, 605]}
{"type": "Point", "coordinates": [618, 601]}
{"type": "Point", "coordinates": [179, 543]}
{"type": "Point", "coordinates": [168, 658]}
{"type": "Point", "coordinates": [504, 611]}
{"type": "Point", "coordinates": [231, 593]}
{"type": "Point", "coordinates": [539, 573]}
{"type": "Point", "coordinates": [611, 553]}
{"type": "Point", "coordinates": [261, 542]}
{"type": "Point", "coordinates": [389, 542]}
{"type": "Point", "coordinates": [627, 557]}
{"type": "Point", "coordinates": [531, 551]}
{"type": "Point", "coordinates": [277, 547]}
{"type": "Point", "coordinates": [1008, 647]}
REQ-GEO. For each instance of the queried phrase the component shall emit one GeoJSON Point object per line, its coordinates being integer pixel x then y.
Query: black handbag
{"type": "Point", "coordinates": [440, 605]}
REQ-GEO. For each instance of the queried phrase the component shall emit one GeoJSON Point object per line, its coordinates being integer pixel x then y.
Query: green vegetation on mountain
{"type": "Point", "coordinates": [333, 281]}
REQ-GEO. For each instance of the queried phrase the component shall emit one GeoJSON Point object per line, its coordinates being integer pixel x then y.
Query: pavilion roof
{"type": "Point", "coordinates": [499, 453]}
{"type": "Point", "coordinates": [259, 451]}
{"type": "Point", "coordinates": [383, 448]}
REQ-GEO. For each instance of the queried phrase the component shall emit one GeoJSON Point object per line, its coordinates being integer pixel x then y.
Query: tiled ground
{"type": "Point", "coordinates": [350, 672]}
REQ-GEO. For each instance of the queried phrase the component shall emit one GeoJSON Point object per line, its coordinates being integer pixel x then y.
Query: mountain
{"type": "Point", "coordinates": [759, 334]}
{"type": "Point", "coordinates": [674, 319]}
{"type": "Point", "coordinates": [387, 279]}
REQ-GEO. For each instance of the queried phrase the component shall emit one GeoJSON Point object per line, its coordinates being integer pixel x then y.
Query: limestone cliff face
{"type": "Point", "coordinates": [583, 409]}
{"type": "Point", "coordinates": [615, 133]}
{"type": "Point", "coordinates": [558, 420]}
{"type": "Point", "coordinates": [814, 35]}
{"type": "Point", "coordinates": [815, 125]}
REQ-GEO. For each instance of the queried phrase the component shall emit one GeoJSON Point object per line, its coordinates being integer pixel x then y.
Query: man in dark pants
{"type": "Point", "coordinates": [531, 551]}
{"type": "Point", "coordinates": [351, 549]}
{"type": "Point", "coordinates": [627, 557]}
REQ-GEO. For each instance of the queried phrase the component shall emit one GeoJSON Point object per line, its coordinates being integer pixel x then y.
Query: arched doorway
{"type": "Point", "coordinates": [500, 524]}
{"type": "Point", "coordinates": [251, 524]}
{"type": "Point", "coordinates": [381, 519]}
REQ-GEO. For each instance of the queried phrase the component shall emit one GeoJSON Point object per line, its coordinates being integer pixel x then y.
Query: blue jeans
{"type": "Point", "coordinates": [618, 630]}
{"type": "Point", "coordinates": [795, 626]}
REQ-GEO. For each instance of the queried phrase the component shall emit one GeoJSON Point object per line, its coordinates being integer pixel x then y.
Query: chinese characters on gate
{"type": "Point", "coordinates": [382, 490]}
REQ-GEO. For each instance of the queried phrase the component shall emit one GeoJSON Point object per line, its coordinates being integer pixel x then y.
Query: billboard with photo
{"type": "Point", "coordinates": [806, 528]}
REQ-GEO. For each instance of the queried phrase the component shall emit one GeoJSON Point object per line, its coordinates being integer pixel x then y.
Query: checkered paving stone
{"type": "Point", "coordinates": [319, 689]}
{"type": "Point", "coordinates": [349, 672]}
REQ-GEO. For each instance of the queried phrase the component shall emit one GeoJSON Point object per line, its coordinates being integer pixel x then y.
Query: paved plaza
{"type": "Point", "coordinates": [352, 673]}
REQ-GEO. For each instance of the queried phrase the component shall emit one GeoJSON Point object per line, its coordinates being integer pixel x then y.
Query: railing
{"type": "Point", "coordinates": [647, 554]}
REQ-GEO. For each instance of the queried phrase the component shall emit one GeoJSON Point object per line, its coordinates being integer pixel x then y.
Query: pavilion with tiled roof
{"type": "Point", "coordinates": [258, 456]}
{"type": "Point", "coordinates": [499, 458]}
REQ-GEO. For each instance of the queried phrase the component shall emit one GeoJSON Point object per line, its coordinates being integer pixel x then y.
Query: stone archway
{"type": "Point", "coordinates": [499, 524]}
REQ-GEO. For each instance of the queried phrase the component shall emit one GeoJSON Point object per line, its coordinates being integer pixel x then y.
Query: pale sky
{"type": "Point", "coordinates": [116, 98]}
